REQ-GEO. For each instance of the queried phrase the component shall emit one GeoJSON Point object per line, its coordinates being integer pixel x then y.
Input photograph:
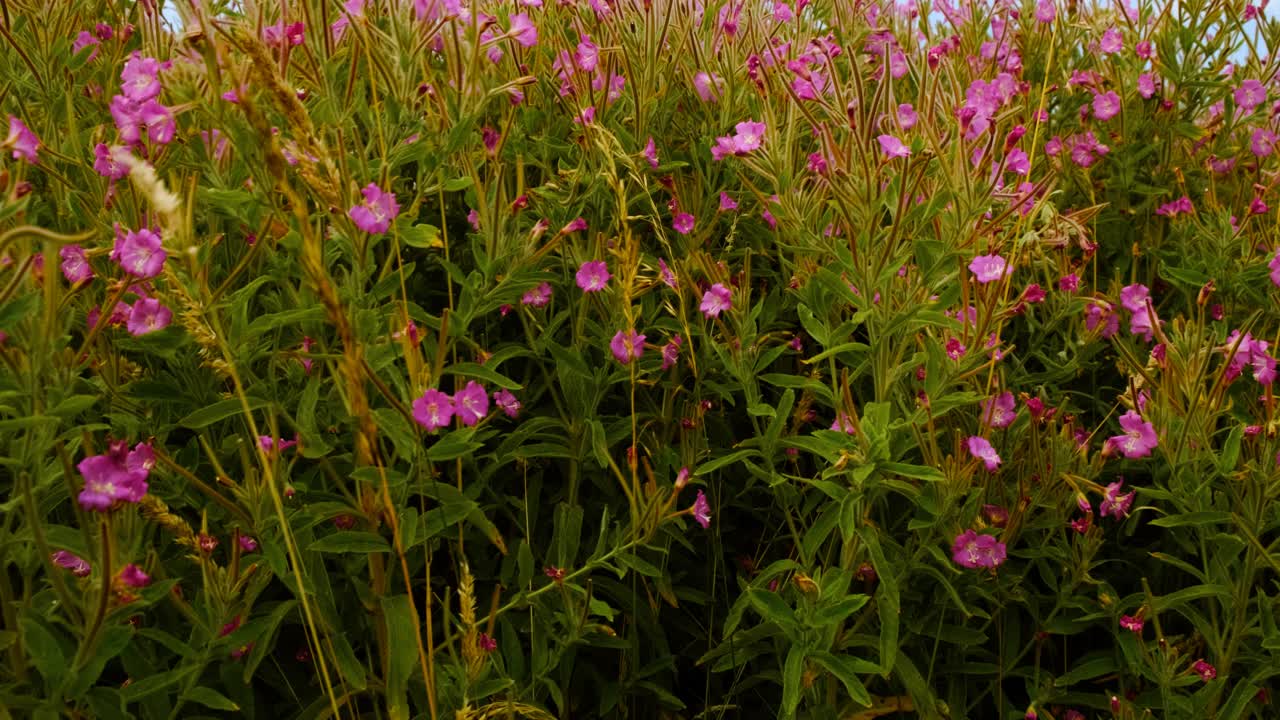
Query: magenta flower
{"type": "Point", "coordinates": [1046, 11]}
{"type": "Point", "coordinates": [270, 444]}
{"type": "Point", "coordinates": [708, 85]}
{"type": "Point", "coordinates": [1131, 623]}
{"type": "Point", "coordinates": [1000, 411]}
{"type": "Point", "coordinates": [133, 576]}
{"type": "Point", "coordinates": [716, 300]}
{"type": "Point", "coordinates": [140, 78]}
{"type": "Point", "coordinates": [683, 223]}
{"type": "Point", "coordinates": [523, 30]}
{"type": "Point", "coordinates": [76, 564]}
{"type": "Point", "coordinates": [669, 278]}
{"type": "Point", "coordinates": [1146, 85]}
{"type": "Point", "coordinates": [627, 346]}
{"type": "Point", "coordinates": [148, 315]}
{"type": "Point", "coordinates": [1114, 504]}
{"type": "Point", "coordinates": [139, 253]}
{"type": "Point", "coordinates": [1274, 265]}
{"type": "Point", "coordinates": [727, 203]}
{"type": "Point", "coordinates": [119, 475]}
{"type": "Point", "coordinates": [843, 423]}
{"type": "Point", "coordinates": [247, 544]}
{"type": "Point", "coordinates": [279, 35]}
{"type": "Point", "coordinates": [1138, 439]}
{"type": "Point", "coordinates": [377, 212]}
{"type": "Point", "coordinates": [507, 402]}
{"type": "Point", "coordinates": [537, 297]}
{"type": "Point", "coordinates": [83, 40]}
{"type": "Point", "coordinates": [907, 116]}
{"type": "Point", "coordinates": [1250, 95]}
{"type": "Point", "coordinates": [701, 510]}
{"type": "Point", "coordinates": [671, 352]}
{"type": "Point", "coordinates": [973, 551]}
{"type": "Point", "coordinates": [817, 164]}
{"type": "Point", "coordinates": [22, 141]}
{"type": "Point", "coordinates": [433, 410]}
{"type": "Point", "coordinates": [981, 449]}
{"type": "Point", "coordinates": [1106, 105]}
{"type": "Point", "coordinates": [651, 153]}
{"type": "Point", "coordinates": [988, 268]}
{"type": "Point", "coordinates": [75, 266]}
{"type": "Point", "coordinates": [158, 120]}
{"type": "Point", "coordinates": [749, 136]}
{"type": "Point", "coordinates": [575, 225]}
{"type": "Point", "coordinates": [1206, 671]}
{"type": "Point", "coordinates": [593, 276]}
{"type": "Point", "coordinates": [471, 403]}
{"type": "Point", "coordinates": [1111, 41]}
{"type": "Point", "coordinates": [106, 164]}
{"type": "Point", "coordinates": [955, 349]}
{"type": "Point", "coordinates": [1262, 142]}
{"type": "Point", "coordinates": [892, 147]}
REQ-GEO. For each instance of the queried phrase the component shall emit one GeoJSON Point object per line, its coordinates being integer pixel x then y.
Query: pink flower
{"type": "Point", "coordinates": [701, 510]}
{"type": "Point", "coordinates": [716, 300]}
{"type": "Point", "coordinates": [1262, 142]}
{"type": "Point", "coordinates": [376, 213]}
{"type": "Point", "coordinates": [134, 577]}
{"type": "Point", "coordinates": [973, 551]}
{"type": "Point", "coordinates": [708, 86]}
{"type": "Point", "coordinates": [1206, 671]}
{"type": "Point", "coordinates": [749, 135]}
{"type": "Point", "coordinates": [1000, 411]}
{"type": "Point", "coordinates": [278, 35]}
{"type": "Point", "coordinates": [593, 276]}
{"type": "Point", "coordinates": [158, 120]}
{"type": "Point", "coordinates": [843, 424]}
{"type": "Point", "coordinates": [140, 78]}
{"type": "Point", "coordinates": [988, 268]}
{"type": "Point", "coordinates": [955, 349]}
{"type": "Point", "coordinates": [1144, 50]}
{"type": "Point", "coordinates": [651, 153]}
{"type": "Point", "coordinates": [669, 278]}
{"type": "Point", "coordinates": [537, 297]}
{"type": "Point", "coordinates": [1138, 439]}
{"type": "Point", "coordinates": [139, 253]}
{"type": "Point", "coordinates": [1113, 503]}
{"type": "Point", "coordinates": [1146, 85]}
{"type": "Point", "coordinates": [270, 444]}
{"type": "Point", "coordinates": [817, 164]}
{"type": "Point", "coordinates": [523, 30]}
{"type": "Point", "coordinates": [981, 449]}
{"type": "Point", "coordinates": [22, 141]}
{"type": "Point", "coordinates": [76, 564]}
{"type": "Point", "coordinates": [433, 410]}
{"type": "Point", "coordinates": [119, 475]}
{"type": "Point", "coordinates": [727, 203]}
{"type": "Point", "coordinates": [1134, 297]}
{"type": "Point", "coordinates": [575, 225]}
{"type": "Point", "coordinates": [307, 343]}
{"type": "Point", "coordinates": [892, 147]}
{"type": "Point", "coordinates": [1111, 41]}
{"type": "Point", "coordinates": [507, 402]}
{"type": "Point", "coordinates": [1258, 206]}
{"type": "Point", "coordinates": [1046, 11]}
{"type": "Point", "coordinates": [586, 116]}
{"type": "Point", "coordinates": [106, 164]}
{"type": "Point", "coordinates": [671, 352]}
{"type": "Point", "coordinates": [627, 346]}
{"type": "Point", "coordinates": [148, 315]}
{"type": "Point", "coordinates": [683, 223]}
{"type": "Point", "coordinates": [1033, 294]}
{"type": "Point", "coordinates": [247, 544]}
{"type": "Point", "coordinates": [1106, 105]}
{"type": "Point", "coordinates": [682, 478]}
{"type": "Point", "coordinates": [471, 403]}
{"type": "Point", "coordinates": [1069, 282]}
{"type": "Point", "coordinates": [1250, 95]}
{"type": "Point", "coordinates": [473, 218]}
{"type": "Point", "coordinates": [83, 40]}
{"type": "Point", "coordinates": [1131, 623]}
{"type": "Point", "coordinates": [75, 266]}
{"type": "Point", "coordinates": [1274, 264]}
{"type": "Point", "coordinates": [907, 116]}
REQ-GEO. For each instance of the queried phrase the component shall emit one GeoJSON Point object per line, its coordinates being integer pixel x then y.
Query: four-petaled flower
{"type": "Point", "coordinates": [999, 412]}
{"type": "Point", "coordinates": [716, 300]}
{"type": "Point", "coordinates": [988, 268]}
{"type": "Point", "coordinates": [1115, 504]}
{"type": "Point", "coordinates": [377, 211]}
{"type": "Point", "coordinates": [683, 223]}
{"type": "Point", "coordinates": [701, 510]}
{"type": "Point", "coordinates": [974, 551]}
{"type": "Point", "coordinates": [593, 276]}
{"type": "Point", "coordinates": [471, 403]}
{"type": "Point", "coordinates": [627, 346]}
{"type": "Point", "coordinates": [119, 475]}
{"type": "Point", "coordinates": [1138, 439]}
{"type": "Point", "coordinates": [892, 147]}
{"type": "Point", "coordinates": [981, 449]}
{"type": "Point", "coordinates": [433, 410]}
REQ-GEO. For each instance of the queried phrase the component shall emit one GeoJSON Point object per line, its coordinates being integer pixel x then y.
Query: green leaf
{"type": "Point", "coordinates": [351, 541]}
{"type": "Point", "coordinates": [833, 614]}
{"type": "Point", "coordinates": [291, 318]}
{"type": "Point", "coordinates": [402, 635]}
{"type": "Point", "coordinates": [421, 236]}
{"type": "Point", "coordinates": [724, 460]}
{"type": "Point", "coordinates": [481, 372]}
{"type": "Point", "coordinates": [1230, 454]}
{"type": "Point", "coordinates": [792, 676]}
{"type": "Point", "coordinates": [634, 562]}
{"type": "Point", "coordinates": [1096, 666]}
{"type": "Point", "coordinates": [348, 665]}
{"type": "Point", "coordinates": [887, 599]}
{"type": "Point", "coordinates": [919, 472]}
{"type": "Point", "coordinates": [220, 410]}
{"type": "Point", "coordinates": [455, 444]}
{"type": "Point", "coordinates": [1200, 519]}
{"type": "Point", "coordinates": [212, 699]}
{"type": "Point", "coordinates": [567, 534]}
{"type": "Point", "coordinates": [844, 670]}
{"type": "Point", "coordinates": [44, 650]}
{"type": "Point", "coordinates": [771, 607]}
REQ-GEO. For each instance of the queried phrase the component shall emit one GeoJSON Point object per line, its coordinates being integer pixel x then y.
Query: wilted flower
{"type": "Point", "coordinates": [24, 143]}
{"type": "Point", "coordinates": [133, 576]}
{"type": "Point", "coordinates": [1115, 504]}
{"type": "Point", "coordinates": [247, 544]}
{"type": "Point", "coordinates": [507, 402]}
{"type": "Point", "coordinates": [701, 510]}
{"type": "Point", "coordinates": [76, 564]}
{"type": "Point", "coordinates": [1206, 671]}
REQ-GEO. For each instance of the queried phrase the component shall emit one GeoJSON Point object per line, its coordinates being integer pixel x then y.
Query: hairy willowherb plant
{"type": "Point", "coordinates": [471, 359]}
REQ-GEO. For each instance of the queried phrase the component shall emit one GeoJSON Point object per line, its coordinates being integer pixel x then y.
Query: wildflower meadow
{"type": "Point", "coordinates": [655, 359]}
